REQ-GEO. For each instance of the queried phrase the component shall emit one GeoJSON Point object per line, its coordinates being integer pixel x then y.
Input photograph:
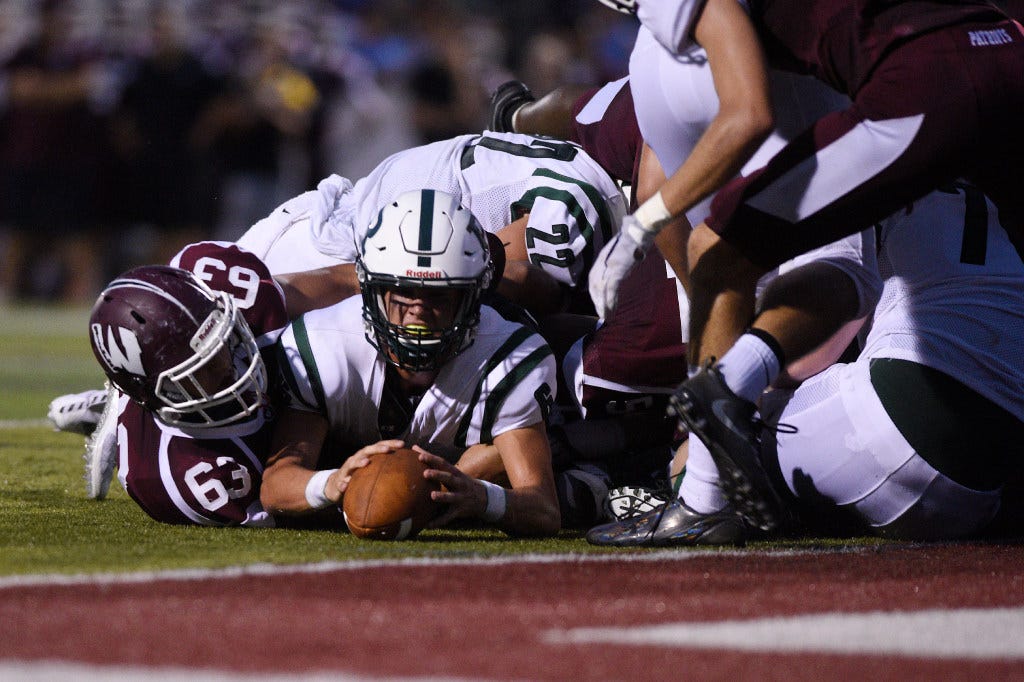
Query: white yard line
{"type": "Point", "coordinates": [231, 572]}
{"type": "Point", "coordinates": [982, 634]}
{"type": "Point", "coordinates": [59, 671]}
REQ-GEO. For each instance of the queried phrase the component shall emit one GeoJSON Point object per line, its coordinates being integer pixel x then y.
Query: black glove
{"type": "Point", "coordinates": [505, 101]}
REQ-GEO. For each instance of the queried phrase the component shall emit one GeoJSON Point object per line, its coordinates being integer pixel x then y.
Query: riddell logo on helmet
{"type": "Point", "coordinates": [424, 274]}
{"type": "Point", "coordinates": [205, 331]}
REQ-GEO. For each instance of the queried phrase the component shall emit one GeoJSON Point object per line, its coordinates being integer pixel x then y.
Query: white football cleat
{"type": "Point", "coordinates": [101, 449]}
{"type": "Point", "coordinates": [630, 501]}
{"type": "Point", "coordinates": [77, 412]}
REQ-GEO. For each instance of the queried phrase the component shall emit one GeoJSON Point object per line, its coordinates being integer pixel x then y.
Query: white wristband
{"type": "Point", "coordinates": [496, 502]}
{"type": "Point", "coordinates": [316, 489]}
{"type": "Point", "coordinates": [653, 214]}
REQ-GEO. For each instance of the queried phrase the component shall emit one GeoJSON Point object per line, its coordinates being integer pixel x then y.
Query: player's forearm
{"type": "Point", "coordinates": [550, 115]}
{"type": "Point", "coordinates": [305, 291]}
{"type": "Point", "coordinates": [718, 157]}
{"type": "Point", "coordinates": [482, 461]}
{"type": "Point", "coordinates": [744, 117]}
{"type": "Point", "coordinates": [529, 507]}
{"type": "Point", "coordinates": [296, 443]}
{"type": "Point", "coordinates": [290, 487]}
{"type": "Point", "coordinates": [530, 512]}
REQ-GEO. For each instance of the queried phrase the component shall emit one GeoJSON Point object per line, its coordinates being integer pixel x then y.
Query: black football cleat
{"type": "Point", "coordinates": [725, 423]}
{"type": "Point", "coordinates": [671, 525]}
{"type": "Point", "coordinates": [505, 101]}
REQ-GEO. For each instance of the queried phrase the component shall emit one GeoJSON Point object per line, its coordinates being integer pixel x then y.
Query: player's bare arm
{"type": "Point", "coordinates": [523, 282]}
{"type": "Point", "coordinates": [298, 438]}
{"type": "Point", "coordinates": [744, 116]}
{"type": "Point", "coordinates": [482, 461]}
{"type": "Point", "coordinates": [296, 443]}
{"type": "Point", "coordinates": [305, 291]}
{"type": "Point", "coordinates": [671, 241]}
{"type": "Point", "coordinates": [551, 114]}
{"type": "Point", "coordinates": [528, 507]}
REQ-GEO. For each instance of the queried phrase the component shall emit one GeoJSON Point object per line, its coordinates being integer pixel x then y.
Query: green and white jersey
{"type": "Point", "coordinates": [574, 205]}
{"type": "Point", "coordinates": [505, 380]}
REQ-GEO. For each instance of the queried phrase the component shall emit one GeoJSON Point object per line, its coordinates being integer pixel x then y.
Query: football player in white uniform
{"type": "Point", "coordinates": [915, 438]}
{"type": "Point", "coordinates": [547, 201]}
{"type": "Point", "coordinates": [417, 361]}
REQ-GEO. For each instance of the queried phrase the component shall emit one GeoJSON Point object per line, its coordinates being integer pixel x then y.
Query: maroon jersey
{"type": "Point", "coordinates": [225, 266]}
{"type": "Point", "coordinates": [841, 41]}
{"type": "Point", "coordinates": [605, 125]}
{"type": "Point", "coordinates": [210, 477]}
{"type": "Point", "coordinates": [637, 358]}
{"type": "Point", "coordinates": [177, 478]}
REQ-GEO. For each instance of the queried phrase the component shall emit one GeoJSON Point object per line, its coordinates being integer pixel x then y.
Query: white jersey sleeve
{"type": "Point", "coordinates": [505, 380]}
{"type": "Point", "coordinates": [574, 205]}
{"type": "Point", "coordinates": [286, 239]}
{"type": "Point", "coordinates": [431, 166]}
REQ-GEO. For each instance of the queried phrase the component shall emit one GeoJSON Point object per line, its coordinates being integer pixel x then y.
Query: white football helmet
{"type": "Point", "coordinates": [624, 6]}
{"type": "Point", "coordinates": [423, 238]}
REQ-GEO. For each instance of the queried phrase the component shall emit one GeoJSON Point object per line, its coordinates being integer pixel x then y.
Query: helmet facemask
{"type": "Point", "coordinates": [190, 393]}
{"type": "Point", "coordinates": [414, 347]}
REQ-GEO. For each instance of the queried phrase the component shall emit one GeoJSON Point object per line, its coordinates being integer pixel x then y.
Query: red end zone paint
{"type": "Point", "coordinates": [487, 620]}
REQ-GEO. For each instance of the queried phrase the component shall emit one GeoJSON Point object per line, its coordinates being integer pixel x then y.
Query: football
{"type": "Point", "coordinates": [389, 499]}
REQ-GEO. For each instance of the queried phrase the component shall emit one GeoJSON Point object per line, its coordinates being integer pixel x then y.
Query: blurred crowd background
{"type": "Point", "coordinates": [131, 127]}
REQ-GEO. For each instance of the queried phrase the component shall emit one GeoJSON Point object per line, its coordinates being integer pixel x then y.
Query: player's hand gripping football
{"type": "Point", "coordinates": [464, 496]}
{"type": "Point", "coordinates": [338, 482]}
{"type": "Point", "coordinates": [614, 263]}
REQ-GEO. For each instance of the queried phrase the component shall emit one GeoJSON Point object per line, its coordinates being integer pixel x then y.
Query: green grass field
{"type": "Point", "coordinates": [47, 525]}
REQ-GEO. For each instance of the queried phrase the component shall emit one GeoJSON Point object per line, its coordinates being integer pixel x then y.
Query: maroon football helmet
{"type": "Point", "coordinates": [179, 348]}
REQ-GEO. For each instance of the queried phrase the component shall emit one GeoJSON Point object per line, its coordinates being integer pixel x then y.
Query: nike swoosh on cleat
{"type": "Point", "coordinates": [718, 409]}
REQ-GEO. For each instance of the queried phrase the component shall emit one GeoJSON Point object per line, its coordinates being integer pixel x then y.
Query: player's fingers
{"type": "Point", "coordinates": [380, 447]}
{"type": "Point", "coordinates": [446, 478]}
{"type": "Point", "coordinates": [436, 463]}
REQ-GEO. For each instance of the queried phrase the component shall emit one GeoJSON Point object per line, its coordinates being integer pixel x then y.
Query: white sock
{"type": "Point", "coordinates": [699, 490]}
{"type": "Point", "coordinates": [749, 367]}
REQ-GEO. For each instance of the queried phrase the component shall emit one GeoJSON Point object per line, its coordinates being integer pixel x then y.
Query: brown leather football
{"type": "Point", "coordinates": [389, 499]}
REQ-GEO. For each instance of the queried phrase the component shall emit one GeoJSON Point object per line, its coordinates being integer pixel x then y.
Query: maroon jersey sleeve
{"type": "Point", "coordinates": [605, 125]}
{"type": "Point", "coordinates": [841, 41]}
{"type": "Point", "coordinates": [228, 267]}
{"type": "Point", "coordinates": [182, 480]}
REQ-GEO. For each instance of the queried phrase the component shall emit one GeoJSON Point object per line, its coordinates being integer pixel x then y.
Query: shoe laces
{"type": "Point", "coordinates": [762, 425]}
